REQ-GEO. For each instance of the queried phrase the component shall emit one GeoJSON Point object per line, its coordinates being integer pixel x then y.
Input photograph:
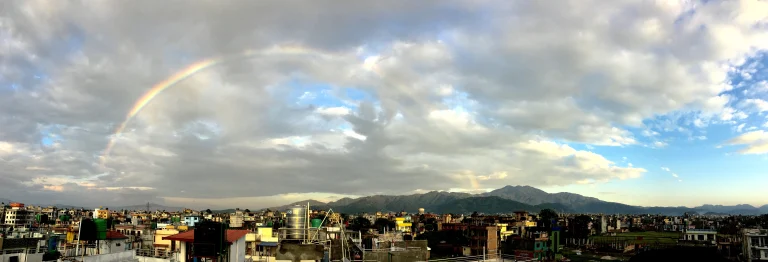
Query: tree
{"type": "Point", "coordinates": [430, 224]}
{"type": "Point", "coordinates": [548, 218]}
{"type": "Point", "coordinates": [208, 211]}
{"type": "Point", "coordinates": [381, 224]}
{"type": "Point", "coordinates": [247, 210]}
{"type": "Point", "coordinates": [580, 226]}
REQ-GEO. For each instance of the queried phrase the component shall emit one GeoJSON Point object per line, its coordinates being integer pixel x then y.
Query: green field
{"type": "Point", "coordinates": [633, 237]}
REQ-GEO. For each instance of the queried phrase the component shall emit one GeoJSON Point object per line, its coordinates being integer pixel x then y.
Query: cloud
{"type": "Point", "coordinates": [410, 98]}
{"type": "Point", "coordinates": [755, 142]}
{"type": "Point", "coordinates": [670, 172]}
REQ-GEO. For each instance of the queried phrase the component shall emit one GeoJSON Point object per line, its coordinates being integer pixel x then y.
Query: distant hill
{"type": "Point", "coordinates": [508, 199]}
{"type": "Point", "coordinates": [742, 209]}
{"type": "Point", "coordinates": [534, 196]}
{"type": "Point", "coordinates": [342, 202]}
{"type": "Point", "coordinates": [494, 205]}
{"type": "Point", "coordinates": [408, 203]}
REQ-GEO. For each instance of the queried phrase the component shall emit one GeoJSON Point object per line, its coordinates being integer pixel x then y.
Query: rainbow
{"type": "Point", "coordinates": [189, 71]}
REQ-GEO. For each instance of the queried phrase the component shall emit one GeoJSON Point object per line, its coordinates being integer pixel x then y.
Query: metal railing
{"type": "Point", "coordinates": [486, 258]}
{"type": "Point", "coordinates": [154, 253]}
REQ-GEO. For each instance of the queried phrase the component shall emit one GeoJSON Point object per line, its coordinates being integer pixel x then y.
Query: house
{"type": "Point", "coordinates": [708, 236]}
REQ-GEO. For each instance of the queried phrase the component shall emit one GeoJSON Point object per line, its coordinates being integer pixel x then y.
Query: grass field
{"type": "Point", "coordinates": [635, 237]}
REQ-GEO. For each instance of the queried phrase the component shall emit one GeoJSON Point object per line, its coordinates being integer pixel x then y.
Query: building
{"type": "Point", "coordinates": [484, 240]}
{"type": "Point", "coordinates": [100, 213]}
{"type": "Point", "coordinates": [403, 224]}
{"type": "Point", "coordinates": [17, 215]}
{"type": "Point", "coordinates": [701, 235]}
{"type": "Point", "coordinates": [235, 241]}
{"type": "Point", "coordinates": [192, 220]}
{"type": "Point", "coordinates": [261, 244]}
{"type": "Point", "coordinates": [236, 219]}
{"type": "Point", "coordinates": [754, 244]}
{"type": "Point", "coordinates": [22, 249]}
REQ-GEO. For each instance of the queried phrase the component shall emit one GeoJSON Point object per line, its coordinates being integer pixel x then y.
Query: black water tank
{"type": "Point", "coordinates": [209, 239]}
{"type": "Point", "coordinates": [88, 230]}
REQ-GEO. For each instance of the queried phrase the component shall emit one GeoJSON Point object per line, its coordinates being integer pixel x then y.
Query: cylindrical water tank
{"type": "Point", "coordinates": [316, 222]}
{"type": "Point", "coordinates": [52, 242]}
{"type": "Point", "coordinates": [296, 222]}
{"type": "Point", "coordinates": [101, 228]}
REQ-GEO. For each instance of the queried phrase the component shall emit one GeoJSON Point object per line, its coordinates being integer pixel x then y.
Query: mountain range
{"type": "Point", "coordinates": [503, 200]}
{"type": "Point", "coordinates": [511, 198]}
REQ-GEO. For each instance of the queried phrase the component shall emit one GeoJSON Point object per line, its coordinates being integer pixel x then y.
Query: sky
{"type": "Point", "coordinates": [211, 104]}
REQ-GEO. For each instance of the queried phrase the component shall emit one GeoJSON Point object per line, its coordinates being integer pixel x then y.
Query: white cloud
{"type": "Point", "coordinates": [740, 127]}
{"type": "Point", "coordinates": [333, 111]}
{"type": "Point", "coordinates": [758, 105]}
{"type": "Point", "coordinates": [755, 142]}
{"type": "Point", "coordinates": [494, 84]}
{"type": "Point", "coordinates": [665, 169]}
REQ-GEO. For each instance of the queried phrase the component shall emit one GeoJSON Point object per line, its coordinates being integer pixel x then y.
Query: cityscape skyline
{"type": "Point", "coordinates": [641, 103]}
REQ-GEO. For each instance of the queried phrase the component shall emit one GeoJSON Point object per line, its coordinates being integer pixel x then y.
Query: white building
{"type": "Point", "coordinates": [22, 250]}
{"type": "Point", "coordinates": [236, 219]}
{"type": "Point", "coordinates": [17, 216]}
{"type": "Point", "coordinates": [702, 235]}
{"type": "Point", "coordinates": [755, 244]}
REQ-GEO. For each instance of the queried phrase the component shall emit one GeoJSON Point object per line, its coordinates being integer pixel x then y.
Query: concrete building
{"type": "Point", "coordinates": [261, 244]}
{"type": "Point", "coordinates": [701, 235]}
{"type": "Point", "coordinates": [17, 215]}
{"type": "Point", "coordinates": [22, 249]}
{"type": "Point", "coordinates": [755, 244]}
{"type": "Point", "coordinates": [484, 240]}
{"type": "Point", "coordinates": [403, 224]}
{"type": "Point", "coordinates": [236, 219]}
{"type": "Point", "coordinates": [192, 220]}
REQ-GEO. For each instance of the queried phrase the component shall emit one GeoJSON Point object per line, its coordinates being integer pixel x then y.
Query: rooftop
{"type": "Point", "coordinates": [189, 236]}
{"type": "Point", "coordinates": [115, 235]}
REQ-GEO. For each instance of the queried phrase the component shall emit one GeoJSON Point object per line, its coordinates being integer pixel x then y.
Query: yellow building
{"type": "Point", "coordinates": [261, 243]}
{"type": "Point", "coordinates": [402, 225]}
{"type": "Point", "coordinates": [101, 213]}
{"type": "Point", "coordinates": [162, 244]}
{"type": "Point", "coordinates": [505, 230]}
